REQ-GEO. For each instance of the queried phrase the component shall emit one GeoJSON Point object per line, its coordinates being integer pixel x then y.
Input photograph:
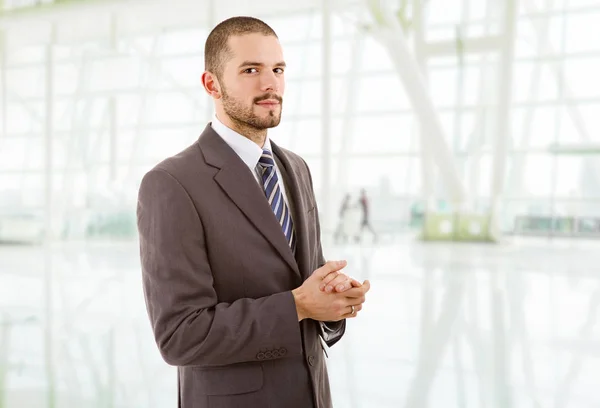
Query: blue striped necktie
{"type": "Point", "coordinates": [275, 197]}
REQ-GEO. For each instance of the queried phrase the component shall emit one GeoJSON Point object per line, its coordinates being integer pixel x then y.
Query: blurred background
{"type": "Point", "coordinates": [455, 151]}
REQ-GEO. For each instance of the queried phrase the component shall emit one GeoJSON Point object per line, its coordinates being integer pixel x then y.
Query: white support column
{"type": "Point", "coordinates": [515, 178]}
{"type": "Point", "coordinates": [112, 108]}
{"type": "Point", "coordinates": [324, 193]}
{"type": "Point", "coordinates": [48, 127]}
{"type": "Point", "coordinates": [504, 117]}
{"type": "Point", "coordinates": [3, 84]}
{"type": "Point", "coordinates": [390, 34]}
{"type": "Point", "coordinates": [352, 86]}
{"type": "Point", "coordinates": [478, 136]}
{"type": "Point", "coordinates": [427, 165]}
{"type": "Point", "coordinates": [558, 119]}
{"type": "Point", "coordinates": [48, 222]}
{"type": "Point", "coordinates": [461, 35]}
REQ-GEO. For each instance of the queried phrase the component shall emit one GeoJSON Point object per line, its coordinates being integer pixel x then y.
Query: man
{"type": "Point", "coordinates": [341, 231]}
{"type": "Point", "coordinates": [237, 290]}
{"type": "Point", "coordinates": [364, 223]}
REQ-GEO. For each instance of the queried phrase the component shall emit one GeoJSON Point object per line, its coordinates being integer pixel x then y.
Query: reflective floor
{"type": "Point", "coordinates": [445, 325]}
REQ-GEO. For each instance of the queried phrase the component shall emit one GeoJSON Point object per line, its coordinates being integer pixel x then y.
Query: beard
{"type": "Point", "coordinates": [245, 116]}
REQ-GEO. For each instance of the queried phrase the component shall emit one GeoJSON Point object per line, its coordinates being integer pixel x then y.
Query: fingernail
{"type": "Point", "coordinates": [340, 287]}
{"type": "Point", "coordinates": [328, 289]}
{"type": "Point", "coordinates": [321, 286]}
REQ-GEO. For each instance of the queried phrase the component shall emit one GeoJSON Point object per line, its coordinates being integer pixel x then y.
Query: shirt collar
{"type": "Point", "coordinates": [245, 148]}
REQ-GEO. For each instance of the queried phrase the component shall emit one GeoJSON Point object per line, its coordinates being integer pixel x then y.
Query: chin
{"type": "Point", "coordinates": [270, 121]}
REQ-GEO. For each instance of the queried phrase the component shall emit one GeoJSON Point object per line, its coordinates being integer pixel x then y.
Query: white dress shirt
{"type": "Point", "coordinates": [249, 152]}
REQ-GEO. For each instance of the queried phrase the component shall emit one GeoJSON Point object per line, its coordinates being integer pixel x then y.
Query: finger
{"type": "Point", "coordinates": [358, 292]}
{"type": "Point", "coordinates": [339, 284]}
{"type": "Point", "coordinates": [353, 283]}
{"type": "Point", "coordinates": [348, 284]}
{"type": "Point", "coordinates": [367, 285]}
{"type": "Point", "coordinates": [330, 266]}
{"type": "Point", "coordinates": [356, 301]}
{"type": "Point", "coordinates": [353, 311]}
{"type": "Point", "coordinates": [328, 279]}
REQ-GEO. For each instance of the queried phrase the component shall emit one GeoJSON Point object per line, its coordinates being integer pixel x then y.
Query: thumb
{"type": "Point", "coordinates": [330, 266]}
{"type": "Point", "coordinates": [367, 284]}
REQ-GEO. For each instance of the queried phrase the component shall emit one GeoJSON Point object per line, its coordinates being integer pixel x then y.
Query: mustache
{"type": "Point", "coordinates": [268, 96]}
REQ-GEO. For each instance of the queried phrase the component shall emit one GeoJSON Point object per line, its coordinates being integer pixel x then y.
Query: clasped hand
{"type": "Point", "coordinates": [330, 295]}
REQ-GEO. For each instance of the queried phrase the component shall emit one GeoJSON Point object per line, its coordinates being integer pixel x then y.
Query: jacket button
{"type": "Point", "coordinates": [260, 356]}
{"type": "Point", "coordinates": [311, 360]}
{"type": "Point", "coordinates": [282, 351]}
{"type": "Point", "coordinates": [269, 354]}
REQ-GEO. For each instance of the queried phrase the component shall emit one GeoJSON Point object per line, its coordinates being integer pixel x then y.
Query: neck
{"type": "Point", "coordinates": [258, 136]}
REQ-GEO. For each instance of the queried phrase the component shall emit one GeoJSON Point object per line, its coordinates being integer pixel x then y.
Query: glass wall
{"type": "Point", "coordinates": [86, 115]}
{"type": "Point", "coordinates": [93, 98]}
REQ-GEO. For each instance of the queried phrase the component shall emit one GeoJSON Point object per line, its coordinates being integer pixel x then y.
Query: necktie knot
{"type": "Point", "coordinates": [266, 159]}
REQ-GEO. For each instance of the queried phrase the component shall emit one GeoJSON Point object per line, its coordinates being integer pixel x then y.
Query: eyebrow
{"type": "Point", "coordinates": [259, 64]}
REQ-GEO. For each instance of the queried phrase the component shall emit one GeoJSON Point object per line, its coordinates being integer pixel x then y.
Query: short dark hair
{"type": "Point", "coordinates": [217, 49]}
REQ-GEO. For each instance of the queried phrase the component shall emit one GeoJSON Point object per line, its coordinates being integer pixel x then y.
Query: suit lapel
{"type": "Point", "coordinates": [241, 187]}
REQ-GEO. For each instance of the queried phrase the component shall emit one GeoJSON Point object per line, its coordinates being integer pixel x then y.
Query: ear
{"type": "Point", "coordinates": [211, 84]}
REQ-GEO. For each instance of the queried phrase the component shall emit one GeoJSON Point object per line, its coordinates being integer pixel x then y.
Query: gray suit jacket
{"type": "Point", "coordinates": [218, 274]}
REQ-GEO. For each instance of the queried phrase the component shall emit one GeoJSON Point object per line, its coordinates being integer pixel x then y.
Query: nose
{"type": "Point", "coordinates": [269, 82]}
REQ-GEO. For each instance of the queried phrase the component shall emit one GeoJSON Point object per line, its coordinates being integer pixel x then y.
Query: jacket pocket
{"type": "Point", "coordinates": [230, 380]}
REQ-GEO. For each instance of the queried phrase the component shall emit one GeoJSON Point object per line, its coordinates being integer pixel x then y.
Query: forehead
{"type": "Point", "coordinates": [255, 47]}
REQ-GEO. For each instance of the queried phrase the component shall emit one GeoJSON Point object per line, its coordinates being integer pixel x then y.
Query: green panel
{"type": "Point", "coordinates": [472, 227]}
{"type": "Point", "coordinates": [438, 227]}
{"type": "Point", "coordinates": [456, 227]}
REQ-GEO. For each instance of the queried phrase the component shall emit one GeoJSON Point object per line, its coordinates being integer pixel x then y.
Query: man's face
{"type": "Point", "coordinates": [252, 81]}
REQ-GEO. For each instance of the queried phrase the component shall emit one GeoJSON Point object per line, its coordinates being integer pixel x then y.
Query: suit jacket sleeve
{"type": "Point", "coordinates": [189, 325]}
{"type": "Point", "coordinates": [331, 332]}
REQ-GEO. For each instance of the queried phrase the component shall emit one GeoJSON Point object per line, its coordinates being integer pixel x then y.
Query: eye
{"type": "Point", "coordinates": [278, 70]}
{"type": "Point", "coordinates": [250, 70]}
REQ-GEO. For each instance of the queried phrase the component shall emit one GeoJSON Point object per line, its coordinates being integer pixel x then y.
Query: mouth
{"type": "Point", "coordinates": [268, 103]}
